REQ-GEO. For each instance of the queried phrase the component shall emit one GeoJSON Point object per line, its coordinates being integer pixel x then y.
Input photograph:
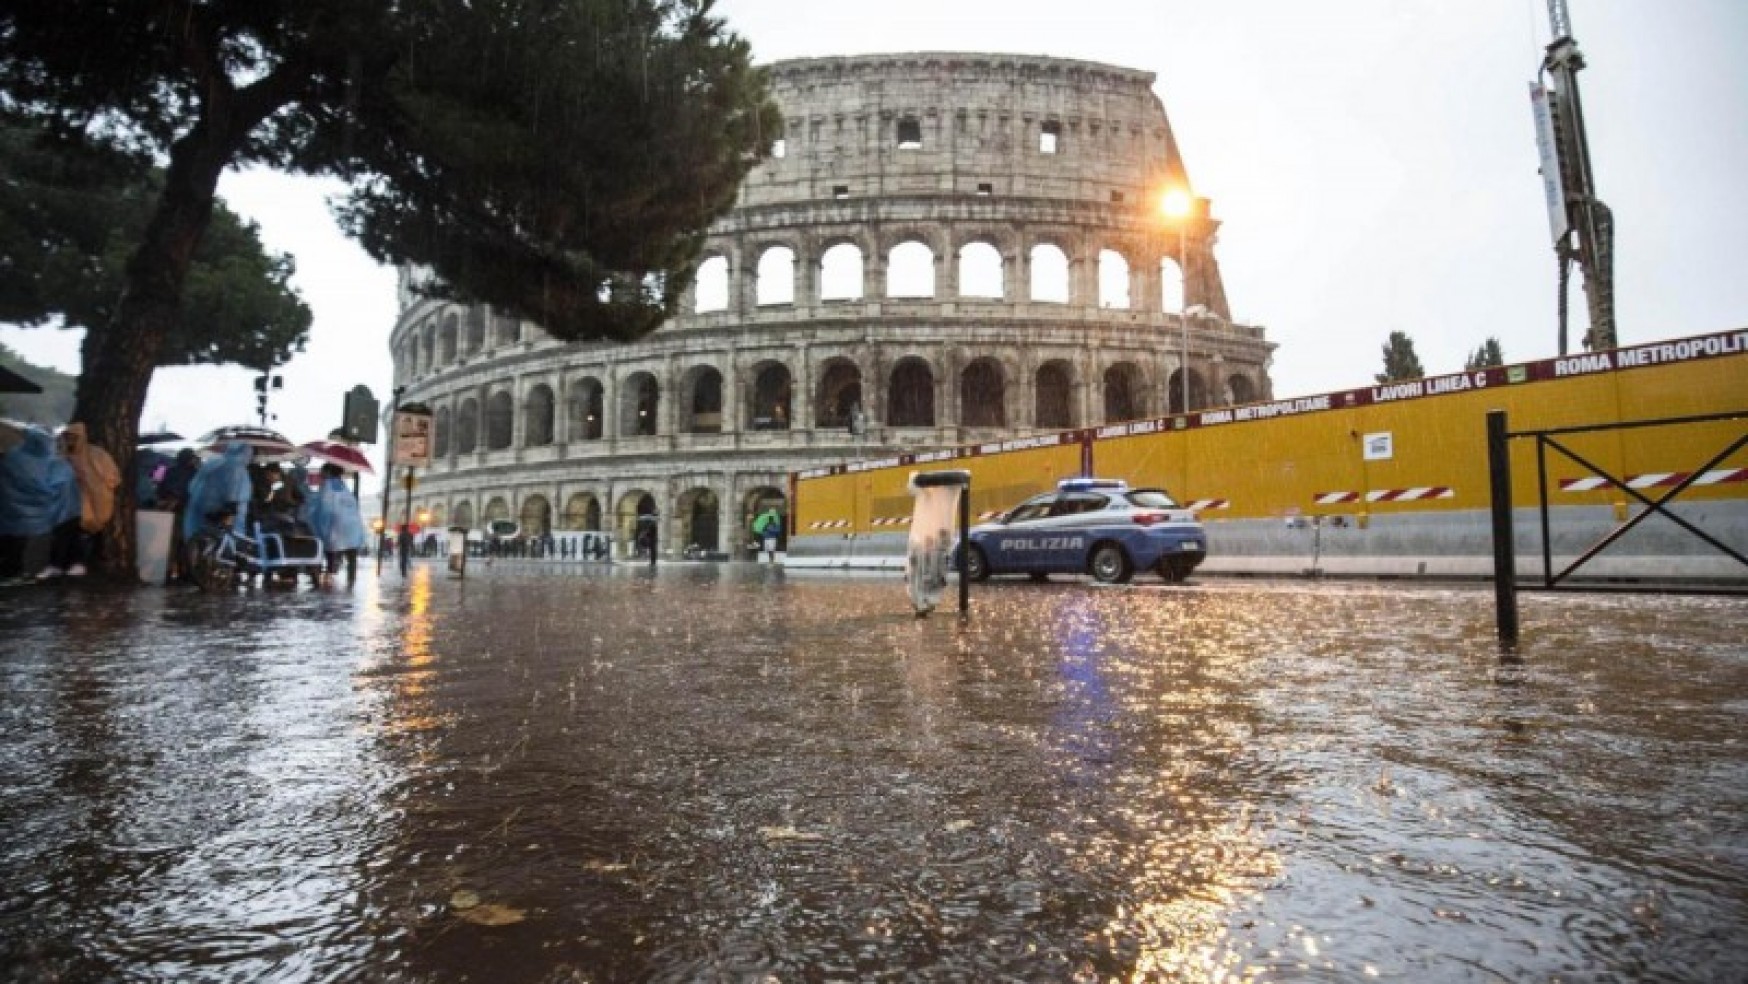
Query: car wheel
{"type": "Point", "coordinates": [1110, 565]}
{"type": "Point", "coordinates": [976, 564]}
{"type": "Point", "coordinates": [1039, 577]}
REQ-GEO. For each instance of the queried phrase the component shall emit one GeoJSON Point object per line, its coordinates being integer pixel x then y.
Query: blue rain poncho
{"type": "Point", "coordinates": [221, 481]}
{"type": "Point", "coordinates": [332, 512]}
{"type": "Point", "coordinates": [37, 488]}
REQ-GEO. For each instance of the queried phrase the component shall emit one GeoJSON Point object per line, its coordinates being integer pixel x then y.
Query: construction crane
{"type": "Point", "coordinates": [1582, 226]}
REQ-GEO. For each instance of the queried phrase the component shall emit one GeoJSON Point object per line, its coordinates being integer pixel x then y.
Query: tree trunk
{"type": "Point", "coordinates": [119, 357]}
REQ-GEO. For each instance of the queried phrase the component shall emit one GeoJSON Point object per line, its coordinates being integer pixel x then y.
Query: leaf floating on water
{"type": "Point", "coordinates": [789, 834]}
{"type": "Point", "coordinates": [464, 898]}
{"type": "Point", "coordinates": [955, 826]}
{"type": "Point", "coordinates": [492, 914]}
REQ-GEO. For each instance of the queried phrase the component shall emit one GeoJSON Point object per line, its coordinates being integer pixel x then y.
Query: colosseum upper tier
{"type": "Point", "coordinates": [942, 249]}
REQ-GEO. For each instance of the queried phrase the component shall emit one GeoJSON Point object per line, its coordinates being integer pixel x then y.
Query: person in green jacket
{"type": "Point", "coordinates": [767, 530]}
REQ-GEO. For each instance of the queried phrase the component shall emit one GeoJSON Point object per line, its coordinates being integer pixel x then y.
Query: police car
{"type": "Point", "coordinates": [1096, 526]}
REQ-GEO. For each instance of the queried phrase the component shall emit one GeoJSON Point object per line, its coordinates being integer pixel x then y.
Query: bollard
{"type": "Point", "coordinates": [1504, 547]}
{"type": "Point", "coordinates": [458, 551]}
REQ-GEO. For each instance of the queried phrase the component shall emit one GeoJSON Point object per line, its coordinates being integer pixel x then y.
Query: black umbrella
{"type": "Point", "coordinates": [11, 382]}
{"type": "Point", "coordinates": [156, 437]}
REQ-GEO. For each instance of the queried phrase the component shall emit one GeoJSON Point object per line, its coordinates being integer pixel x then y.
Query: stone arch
{"type": "Point", "coordinates": [582, 511]}
{"type": "Point", "coordinates": [840, 389]}
{"type": "Point", "coordinates": [841, 272]}
{"type": "Point", "coordinates": [639, 404]}
{"type": "Point", "coordinates": [1171, 286]}
{"type": "Point", "coordinates": [586, 418]}
{"type": "Point", "coordinates": [497, 508]}
{"type": "Point", "coordinates": [446, 336]}
{"type": "Point", "coordinates": [463, 515]}
{"type": "Point", "coordinates": [427, 348]}
{"type": "Point", "coordinates": [500, 420]}
{"type": "Point", "coordinates": [1241, 388]}
{"type": "Point", "coordinates": [1124, 389]}
{"type": "Point", "coordinates": [1053, 388]}
{"type": "Point", "coordinates": [1114, 286]}
{"type": "Point", "coordinates": [981, 270]}
{"type": "Point", "coordinates": [630, 506]}
{"type": "Point", "coordinates": [1175, 392]}
{"type": "Point", "coordinates": [776, 276]}
{"type": "Point", "coordinates": [475, 334]}
{"type": "Point", "coordinates": [710, 288]}
{"type": "Point", "coordinates": [910, 270]}
{"type": "Point", "coordinates": [537, 417]}
{"type": "Point", "coordinates": [535, 517]}
{"type": "Point", "coordinates": [436, 516]}
{"type": "Point", "coordinates": [440, 432]}
{"type": "Point", "coordinates": [506, 330]}
{"type": "Point", "coordinates": [772, 399]}
{"type": "Point", "coordinates": [467, 427]}
{"type": "Point", "coordinates": [910, 399]}
{"type": "Point", "coordinates": [701, 393]}
{"type": "Point", "coordinates": [1050, 280]}
{"type": "Point", "coordinates": [983, 394]}
{"type": "Point", "coordinates": [699, 513]}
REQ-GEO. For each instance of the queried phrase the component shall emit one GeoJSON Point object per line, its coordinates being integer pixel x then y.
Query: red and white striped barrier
{"type": "Point", "coordinates": [1654, 480]}
{"type": "Point", "coordinates": [1386, 495]}
{"type": "Point", "coordinates": [829, 524]}
{"type": "Point", "coordinates": [1332, 498]}
{"type": "Point", "coordinates": [1201, 505]}
{"type": "Point", "coordinates": [890, 521]}
{"type": "Point", "coordinates": [984, 517]}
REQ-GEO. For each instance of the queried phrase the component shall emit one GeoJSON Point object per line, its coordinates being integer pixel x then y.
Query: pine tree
{"type": "Point", "coordinates": [1400, 362]}
{"type": "Point", "coordinates": [1489, 354]}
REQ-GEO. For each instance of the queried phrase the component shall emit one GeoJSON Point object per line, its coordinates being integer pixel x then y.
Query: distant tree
{"type": "Point", "coordinates": [1400, 362]}
{"type": "Point", "coordinates": [558, 159]}
{"type": "Point", "coordinates": [1489, 354]}
{"type": "Point", "coordinates": [69, 217]}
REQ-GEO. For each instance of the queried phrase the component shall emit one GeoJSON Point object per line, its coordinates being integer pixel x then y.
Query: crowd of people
{"type": "Point", "coordinates": [58, 493]}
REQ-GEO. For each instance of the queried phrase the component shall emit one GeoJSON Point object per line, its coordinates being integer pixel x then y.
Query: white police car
{"type": "Point", "coordinates": [1096, 526]}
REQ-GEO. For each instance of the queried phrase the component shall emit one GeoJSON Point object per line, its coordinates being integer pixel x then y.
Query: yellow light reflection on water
{"type": "Point", "coordinates": [413, 664]}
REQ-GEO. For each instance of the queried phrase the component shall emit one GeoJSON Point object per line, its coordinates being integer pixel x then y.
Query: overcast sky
{"type": "Point", "coordinates": [1372, 163]}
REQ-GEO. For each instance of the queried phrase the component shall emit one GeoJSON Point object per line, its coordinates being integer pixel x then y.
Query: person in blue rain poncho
{"type": "Point", "coordinates": [332, 513]}
{"type": "Point", "coordinates": [38, 492]}
{"type": "Point", "coordinates": [220, 482]}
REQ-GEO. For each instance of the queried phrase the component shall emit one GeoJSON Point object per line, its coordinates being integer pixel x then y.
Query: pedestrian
{"type": "Point", "coordinates": [173, 495]}
{"type": "Point", "coordinates": [221, 483]}
{"type": "Point", "coordinates": [767, 531]}
{"type": "Point", "coordinates": [646, 535]}
{"type": "Point", "coordinates": [98, 478]}
{"type": "Point", "coordinates": [332, 513]}
{"type": "Point", "coordinates": [38, 491]}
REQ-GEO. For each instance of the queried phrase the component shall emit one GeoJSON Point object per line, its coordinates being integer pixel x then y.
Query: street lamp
{"type": "Point", "coordinates": [1177, 205]}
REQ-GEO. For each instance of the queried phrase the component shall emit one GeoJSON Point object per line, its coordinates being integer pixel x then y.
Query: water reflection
{"type": "Point", "coordinates": [733, 774]}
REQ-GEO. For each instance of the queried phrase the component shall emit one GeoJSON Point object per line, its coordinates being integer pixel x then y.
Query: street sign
{"type": "Point", "coordinates": [412, 438]}
{"type": "Point", "coordinates": [358, 415]}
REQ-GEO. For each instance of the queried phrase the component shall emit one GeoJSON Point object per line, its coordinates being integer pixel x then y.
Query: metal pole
{"type": "Point", "coordinates": [1183, 317]}
{"type": "Point", "coordinates": [388, 478]}
{"type": "Point", "coordinates": [964, 546]}
{"type": "Point", "coordinates": [404, 540]}
{"type": "Point", "coordinates": [1504, 549]}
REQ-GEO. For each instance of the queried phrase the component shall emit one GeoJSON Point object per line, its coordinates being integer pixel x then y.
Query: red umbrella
{"type": "Point", "coordinates": [336, 453]}
{"type": "Point", "coordinates": [269, 445]}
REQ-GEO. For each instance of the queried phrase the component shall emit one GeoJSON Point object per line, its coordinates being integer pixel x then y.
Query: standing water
{"type": "Point", "coordinates": [726, 773]}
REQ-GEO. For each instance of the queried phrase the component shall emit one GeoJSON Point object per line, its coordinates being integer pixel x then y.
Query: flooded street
{"type": "Point", "coordinates": [733, 774]}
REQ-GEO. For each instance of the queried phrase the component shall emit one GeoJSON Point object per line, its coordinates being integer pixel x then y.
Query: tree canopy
{"type": "Point", "coordinates": [1489, 354]}
{"type": "Point", "coordinates": [1400, 362]}
{"type": "Point", "coordinates": [557, 159]}
{"type": "Point", "coordinates": [69, 217]}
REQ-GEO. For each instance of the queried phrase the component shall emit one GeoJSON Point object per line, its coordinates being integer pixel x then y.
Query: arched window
{"type": "Point", "coordinates": [576, 512]}
{"type": "Point", "coordinates": [506, 330]}
{"type": "Point", "coordinates": [770, 406]}
{"type": "Point", "coordinates": [703, 386]}
{"type": "Point", "coordinates": [1123, 393]}
{"type": "Point", "coordinates": [1055, 395]}
{"type": "Point", "coordinates": [1171, 285]}
{"type": "Point", "coordinates": [1242, 389]}
{"type": "Point", "coordinates": [500, 420]}
{"type": "Point", "coordinates": [586, 419]}
{"type": "Point", "coordinates": [980, 271]}
{"type": "Point", "coordinates": [476, 329]}
{"type": "Point", "coordinates": [982, 395]}
{"type": "Point", "coordinates": [537, 417]}
{"type": "Point", "coordinates": [1113, 280]}
{"type": "Point", "coordinates": [640, 399]}
{"type": "Point", "coordinates": [427, 348]}
{"type": "Point", "coordinates": [467, 427]}
{"type": "Point", "coordinates": [1198, 392]}
{"type": "Point", "coordinates": [776, 276]}
{"type": "Point", "coordinates": [464, 515]}
{"type": "Point", "coordinates": [440, 433]}
{"type": "Point", "coordinates": [911, 402]}
{"type": "Point", "coordinates": [446, 339]}
{"type": "Point", "coordinates": [840, 390]}
{"type": "Point", "coordinates": [1049, 274]}
{"type": "Point", "coordinates": [910, 271]}
{"type": "Point", "coordinates": [840, 273]}
{"type": "Point", "coordinates": [710, 290]}
{"type": "Point", "coordinates": [700, 519]}
{"type": "Point", "coordinates": [536, 517]}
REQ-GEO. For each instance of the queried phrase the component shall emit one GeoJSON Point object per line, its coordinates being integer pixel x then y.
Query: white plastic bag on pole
{"type": "Point", "coordinates": [931, 543]}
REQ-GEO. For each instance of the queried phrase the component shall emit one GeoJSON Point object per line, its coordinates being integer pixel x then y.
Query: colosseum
{"type": "Point", "coordinates": [941, 249]}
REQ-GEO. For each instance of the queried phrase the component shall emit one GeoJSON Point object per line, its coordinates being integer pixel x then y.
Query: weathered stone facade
{"type": "Point", "coordinates": [942, 249]}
